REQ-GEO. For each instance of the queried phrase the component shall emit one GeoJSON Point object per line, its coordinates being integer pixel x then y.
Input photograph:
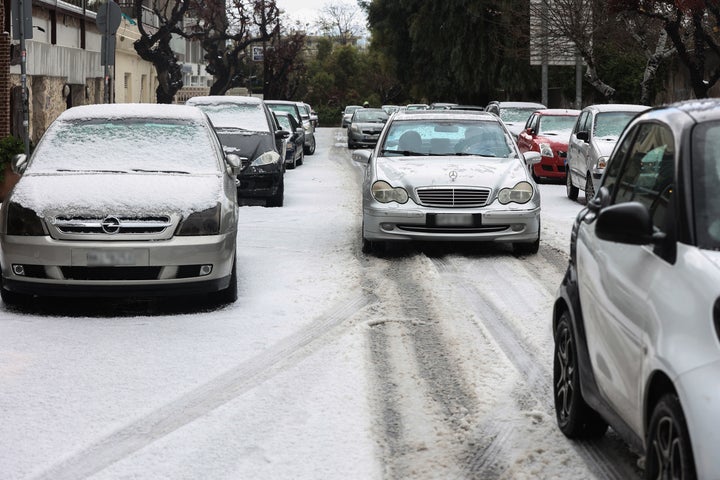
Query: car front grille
{"type": "Point", "coordinates": [112, 225]}
{"type": "Point", "coordinates": [453, 197]}
{"type": "Point", "coordinates": [110, 273]}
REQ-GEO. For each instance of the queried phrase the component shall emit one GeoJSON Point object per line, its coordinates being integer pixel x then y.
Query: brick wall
{"type": "Point", "coordinates": [4, 77]}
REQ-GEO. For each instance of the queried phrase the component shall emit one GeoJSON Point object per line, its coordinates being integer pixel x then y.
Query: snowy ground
{"type": "Point", "coordinates": [429, 364]}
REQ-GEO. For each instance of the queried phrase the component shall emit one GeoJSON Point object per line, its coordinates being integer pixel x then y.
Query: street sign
{"type": "Point", "coordinates": [257, 54]}
{"type": "Point", "coordinates": [107, 50]}
{"type": "Point", "coordinates": [26, 14]}
{"type": "Point", "coordinates": [108, 18]}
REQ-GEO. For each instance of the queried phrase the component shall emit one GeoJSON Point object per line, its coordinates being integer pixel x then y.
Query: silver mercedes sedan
{"type": "Point", "coordinates": [449, 176]}
{"type": "Point", "coordinates": [122, 200]}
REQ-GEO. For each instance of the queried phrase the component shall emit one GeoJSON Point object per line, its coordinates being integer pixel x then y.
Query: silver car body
{"type": "Point", "coordinates": [452, 194]}
{"type": "Point", "coordinates": [586, 159]}
{"type": "Point", "coordinates": [308, 126]}
{"type": "Point", "coordinates": [111, 210]}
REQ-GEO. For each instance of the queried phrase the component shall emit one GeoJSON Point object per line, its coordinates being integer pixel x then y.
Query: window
{"type": "Point", "coordinates": [648, 175]}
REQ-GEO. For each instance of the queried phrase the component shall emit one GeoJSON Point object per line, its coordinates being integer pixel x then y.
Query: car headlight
{"type": "Point", "coordinates": [545, 150]}
{"type": "Point", "coordinates": [383, 192]}
{"type": "Point", "coordinates": [206, 222]}
{"type": "Point", "coordinates": [23, 221]}
{"type": "Point", "coordinates": [267, 158]}
{"type": "Point", "coordinates": [520, 193]}
{"type": "Point", "coordinates": [601, 163]}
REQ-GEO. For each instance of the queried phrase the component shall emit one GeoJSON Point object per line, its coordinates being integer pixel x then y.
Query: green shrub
{"type": "Point", "coordinates": [9, 147]}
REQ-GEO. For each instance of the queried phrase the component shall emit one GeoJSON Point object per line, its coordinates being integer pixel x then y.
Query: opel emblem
{"type": "Point", "coordinates": [110, 225]}
{"type": "Point", "coordinates": [453, 175]}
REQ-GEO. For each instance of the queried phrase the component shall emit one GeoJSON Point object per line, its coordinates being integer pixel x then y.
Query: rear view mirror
{"type": "Point", "coordinates": [584, 136]}
{"type": "Point", "coordinates": [532, 158]}
{"type": "Point", "coordinates": [234, 161]}
{"type": "Point", "coordinates": [280, 134]}
{"type": "Point", "coordinates": [18, 163]}
{"type": "Point", "coordinates": [362, 156]}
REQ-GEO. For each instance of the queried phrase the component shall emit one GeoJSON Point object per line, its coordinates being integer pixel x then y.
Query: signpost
{"type": "Point", "coordinates": [108, 20]}
{"type": "Point", "coordinates": [22, 29]}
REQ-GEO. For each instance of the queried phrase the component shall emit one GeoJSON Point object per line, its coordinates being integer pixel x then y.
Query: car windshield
{"type": "Point", "coordinates": [370, 116]}
{"type": "Point", "coordinates": [282, 107]}
{"type": "Point", "coordinates": [611, 124]}
{"type": "Point", "coordinates": [350, 110]}
{"type": "Point", "coordinates": [447, 137]}
{"type": "Point", "coordinates": [705, 176]}
{"type": "Point", "coordinates": [284, 122]}
{"type": "Point", "coordinates": [125, 145]}
{"type": "Point", "coordinates": [514, 114]}
{"type": "Point", "coordinates": [249, 116]}
{"type": "Point", "coordinates": [556, 124]}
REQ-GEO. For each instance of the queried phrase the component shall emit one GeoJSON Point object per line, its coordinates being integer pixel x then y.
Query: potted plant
{"type": "Point", "coordinates": [9, 147]}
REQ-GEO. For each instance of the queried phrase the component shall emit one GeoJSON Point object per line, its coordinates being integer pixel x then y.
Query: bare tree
{"type": "Point", "coordinates": [340, 20]}
{"type": "Point", "coordinates": [691, 26]}
{"type": "Point", "coordinates": [156, 25]}
{"type": "Point", "coordinates": [226, 31]}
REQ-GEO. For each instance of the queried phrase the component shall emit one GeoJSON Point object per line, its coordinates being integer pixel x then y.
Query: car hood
{"type": "Point", "coordinates": [129, 194]}
{"type": "Point", "coordinates": [604, 145]}
{"type": "Point", "coordinates": [470, 171]}
{"type": "Point", "coordinates": [246, 144]}
{"type": "Point", "coordinates": [558, 140]}
{"type": "Point", "coordinates": [369, 125]}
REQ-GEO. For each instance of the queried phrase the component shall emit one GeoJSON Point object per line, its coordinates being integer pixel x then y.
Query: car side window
{"type": "Point", "coordinates": [648, 175]}
{"type": "Point", "coordinates": [582, 123]}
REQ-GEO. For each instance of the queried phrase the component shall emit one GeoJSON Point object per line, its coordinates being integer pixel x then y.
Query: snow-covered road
{"type": "Point", "coordinates": [430, 363]}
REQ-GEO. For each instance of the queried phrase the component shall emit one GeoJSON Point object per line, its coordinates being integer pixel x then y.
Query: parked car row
{"type": "Point", "coordinates": [103, 209]}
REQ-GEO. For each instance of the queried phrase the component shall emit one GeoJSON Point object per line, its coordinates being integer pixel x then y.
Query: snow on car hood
{"type": "Point", "coordinates": [604, 145]}
{"type": "Point", "coordinates": [412, 172]}
{"type": "Point", "coordinates": [130, 194]}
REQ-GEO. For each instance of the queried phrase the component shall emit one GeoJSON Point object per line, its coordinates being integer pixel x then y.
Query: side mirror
{"type": "Point", "coordinates": [299, 131]}
{"type": "Point", "coordinates": [584, 136]}
{"type": "Point", "coordinates": [532, 158]}
{"type": "Point", "coordinates": [628, 222]}
{"type": "Point", "coordinates": [362, 156]}
{"type": "Point", "coordinates": [18, 163]}
{"type": "Point", "coordinates": [234, 161]}
{"type": "Point", "coordinates": [281, 134]}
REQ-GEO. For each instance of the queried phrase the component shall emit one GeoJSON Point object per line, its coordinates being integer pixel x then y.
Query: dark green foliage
{"type": "Point", "coordinates": [9, 147]}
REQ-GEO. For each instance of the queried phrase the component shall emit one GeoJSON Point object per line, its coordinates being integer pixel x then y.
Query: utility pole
{"type": "Point", "coordinates": [108, 20]}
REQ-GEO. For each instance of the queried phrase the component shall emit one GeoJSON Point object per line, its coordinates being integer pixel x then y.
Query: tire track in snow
{"type": "Point", "coordinates": [601, 457]}
{"type": "Point", "coordinates": [207, 397]}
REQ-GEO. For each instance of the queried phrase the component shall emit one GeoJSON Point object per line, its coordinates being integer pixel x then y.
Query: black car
{"type": "Point", "coordinates": [294, 149]}
{"type": "Point", "coordinates": [247, 128]}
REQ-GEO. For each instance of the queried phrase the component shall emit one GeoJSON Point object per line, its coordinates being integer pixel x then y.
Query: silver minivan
{"type": "Point", "coordinates": [592, 140]}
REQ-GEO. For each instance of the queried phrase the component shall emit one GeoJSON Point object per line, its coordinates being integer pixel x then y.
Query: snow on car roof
{"type": "Point", "coordinates": [139, 110]}
{"type": "Point", "coordinates": [222, 99]}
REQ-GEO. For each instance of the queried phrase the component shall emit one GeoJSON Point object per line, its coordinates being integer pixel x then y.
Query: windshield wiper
{"type": "Point", "coordinates": [407, 153]}
{"type": "Point", "coordinates": [89, 171]}
{"type": "Point", "coordinates": [159, 171]}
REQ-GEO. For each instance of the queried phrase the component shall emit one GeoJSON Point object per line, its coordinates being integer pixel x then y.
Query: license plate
{"type": "Point", "coordinates": [119, 257]}
{"type": "Point", "coordinates": [454, 219]}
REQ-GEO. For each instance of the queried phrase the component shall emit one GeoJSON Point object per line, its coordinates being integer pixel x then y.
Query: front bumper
{"type": "Point", "coordinates": [422, 224]}
{"type": "Point", "coordinates": [363, 139]}
{"type": "Point", "coordinates": [181, 265]}
{"type": "Point", "coordinates": [259, 184]}
{"type": "Point", "coordinates": [550, 167]}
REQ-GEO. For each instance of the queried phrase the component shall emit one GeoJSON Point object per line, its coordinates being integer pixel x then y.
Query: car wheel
{"type": "Point", "coordinates": [527, 248]}
{"type": "Point", "coordinates": [311, 148]}
{"type": "Point", "coordinates": [589, 188]}
{"type": "Point", "coordinates": [572, 190]}
{"type": "Point", "coordinates": [277, 199]}
{"type": "Point", "coordinates": [574, 417]}
{"type": "Point", "coordinates": [292, 165]}
{"type": "Point", "coordinates": [669, 453]}
{"type": "Point", "coordinates": [229, 294]}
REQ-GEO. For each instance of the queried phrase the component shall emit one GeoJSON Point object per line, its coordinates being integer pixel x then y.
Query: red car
{"type": "Point", "coordinates": [548, 132]}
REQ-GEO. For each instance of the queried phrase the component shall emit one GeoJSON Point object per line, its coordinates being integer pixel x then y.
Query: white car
{"type": "Point", "coordinates": [591, 142]}
{"type": "Point", "coordinates": [448, 176]}
{"type": "Point", "coordinates": [122, 200]}
{"type": "Point", "coordinates": [637, 318]}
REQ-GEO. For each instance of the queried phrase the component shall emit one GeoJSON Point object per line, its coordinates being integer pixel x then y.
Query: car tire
{"type": "Point", "coordinates": [293, 164]}
{"type": "Point", "coordinates": [589, 188]}
{"type": "Point", "coordinates": [572, 190]}
{"type": "Point", "coordinates": [230, 293]}
{"type": "Point", "coordinates": [309, 150]}
{"type": "Point", "coordinates": [668, 441]}
{"type": "Point", "coordinates": [574, 417]}
{"type": "Point", "coordinates": [523, 248]}
{"type": "Point", "coordinates": [277, 199]}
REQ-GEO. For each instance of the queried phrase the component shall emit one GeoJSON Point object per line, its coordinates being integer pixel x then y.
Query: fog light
{"type": "Point", "coordinates": [205, 270]}
{"type": "Point", "coordinates": [518, 227]}
{"type": "Point", "coordinates": [387, 226]}
{"type": "Point", "coordinates": [18, 269]}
